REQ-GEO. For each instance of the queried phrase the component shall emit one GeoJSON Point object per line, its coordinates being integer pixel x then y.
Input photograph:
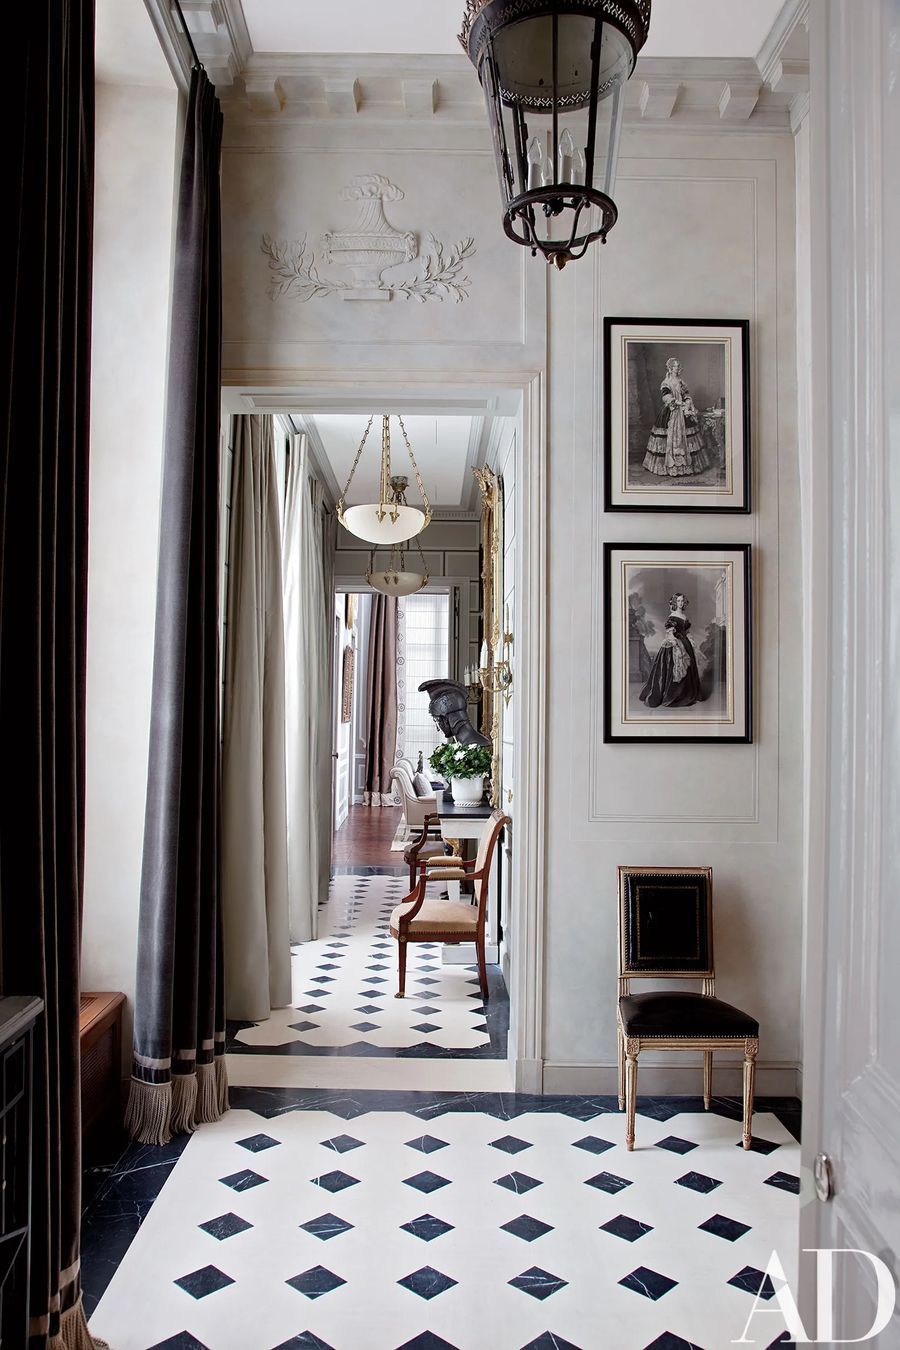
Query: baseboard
{"type": "Point", "coordinates": [527, 1075]}
{"type": "Point", "coordinates": [664, 1080]}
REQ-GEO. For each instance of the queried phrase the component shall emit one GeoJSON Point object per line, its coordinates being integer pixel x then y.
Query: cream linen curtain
{"type": "Point", "coordinates": [308, 542]}
{"type": "Point", "coordinates": [381, 701]}
{"type": "Point", "coordinates": [254, 815]}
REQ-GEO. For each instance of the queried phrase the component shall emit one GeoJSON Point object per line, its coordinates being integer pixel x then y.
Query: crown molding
{"type": "Point", "coordinates": [783, 58]}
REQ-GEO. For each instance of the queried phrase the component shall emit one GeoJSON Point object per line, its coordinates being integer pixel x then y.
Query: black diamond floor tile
{"type": "Point", "coordinates": [315, 1282]}
{"type": "Point", "coordinates": [335, 1181]}
{"type": "Point", "coordinates": [675, 1145]}
{"type": "Point", "coordinates": [426, 1143]}
{"type": "Point", "coordinates": [519, 1182]}
{"type": "Point", "coordinates": [207, 1280]}
{"type": "Point", "coordinates": [697, 1181]}
{"type": "Point", "coordinates": [311, 1008]}
{"type": "Point", "coordinates": [304, 1026]}
{"type": "Point", "coordinates": [243, 1181]}
{"type": "Point", "coordinates": [722, 1227]}
{"type": "Point", "coordinates": [629, 1229]}
{"type": "Point", "coordinates": [593, 1144]}
{"type": "Point", "coordinates": [609, 1182]}
{"type": "Point", "coordinates": [225, 1226]}
{"type": "Point", "coordinates": [426, 1182]}
{"type": "Point", "coordinates": [538, 1283]}
{"type": "Point", "coordinates": [427, 1227]}
{"type": "Point", "coordinates": [369, 1008]}
{"type": "Point", "coordinates": [648, 1282]}
{"type": "Point", "coordinates": [758, 1145]}
{"type": "Point", "coordinates": [426, 1011]}
{"type": "Point", "coordinates": [182, 1340]}
{"type": "Point", "coordinates": [306, 1340]}
{"type": "Point", "coordinates": [527, 1228]}
{"type": "Point", "coordinates": [669, 1341]}
{"type": "Point", "coordinates": [784, 1181]}
{"type": "Point", "coordinates": [342, 1143]}
{"type": "Point", "coordinates": [258, 1143]}
{"type": "Point", "coordinates": [550, 1341]}
{"type": "Point", "coordinates": [754, 1282]}
{"type": "Point", "coordinates": [327, 1226]}
{"type": "Point", "coordinates": [427, 1282]}
{"type": "Point", "coordinates": [428, 1340]}
{"type": "Point", "coordinates": [510, 1144]}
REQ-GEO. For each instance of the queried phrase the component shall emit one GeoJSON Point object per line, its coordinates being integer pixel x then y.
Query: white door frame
{"type": "Point", "coordinates": [526, 924]}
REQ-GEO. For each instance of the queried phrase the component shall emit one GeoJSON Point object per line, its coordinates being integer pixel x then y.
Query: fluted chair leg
{"type": "Point", "coordinates": [630, 1093]}
{"type": "Point", "coordinates": [707, 1078]}
{"type": "Point", "coordinates": [751, 1051]}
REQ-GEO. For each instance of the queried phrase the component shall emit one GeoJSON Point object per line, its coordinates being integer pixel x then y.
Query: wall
{"type": "Point", "coordinates": [707, 230]}
{"type": "Point", "coordinates": [136, 146]}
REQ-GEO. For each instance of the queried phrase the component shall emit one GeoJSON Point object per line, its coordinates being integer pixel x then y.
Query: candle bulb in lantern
{"type": "Point", "coordinates": [566, 156]}
{"type": "Point", "coordinates": [579, 168]}
{"type": "Point", "coordinates": [535, 164]}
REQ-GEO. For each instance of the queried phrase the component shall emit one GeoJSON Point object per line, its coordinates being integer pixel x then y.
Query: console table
{"type": "Point", "coordinates": [465, 821]}
{"type": "Point", "coordinates": [17, 1018]}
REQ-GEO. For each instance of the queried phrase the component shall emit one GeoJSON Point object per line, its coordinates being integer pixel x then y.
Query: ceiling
{"type": "Point", "coordinates": [687, 28]}
{"type": "Point", "coordinates": [445, 447]}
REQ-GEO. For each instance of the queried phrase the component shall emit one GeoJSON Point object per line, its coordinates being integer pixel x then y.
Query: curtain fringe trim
{"type": "Point", "coordinates": [157, 1111]}
{"type": "Point", "coordinates": [73, 1332]}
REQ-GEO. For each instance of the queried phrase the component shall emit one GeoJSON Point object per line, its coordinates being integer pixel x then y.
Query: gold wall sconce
{"type": "Point", "coordinates": [496, 677]}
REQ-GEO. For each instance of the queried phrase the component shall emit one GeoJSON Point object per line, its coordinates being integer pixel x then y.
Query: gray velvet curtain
{"type": "Point", "coordinates": [254, 811]}
{"type": "Point", "coordinates": [381, 701]}
{"type": "Point", "coordinates": [178, 1070]}
{"type": "Point", "coordinates": [45, 304]}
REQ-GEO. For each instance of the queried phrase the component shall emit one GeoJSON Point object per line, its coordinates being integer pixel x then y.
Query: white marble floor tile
{"type": "Point", "coordinates": [388, 1230]}
{"type": "Point", "coordinates": [410, 1075]}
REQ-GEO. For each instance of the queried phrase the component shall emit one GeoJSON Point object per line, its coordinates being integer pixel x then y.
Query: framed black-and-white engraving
{"type": "Point", "coordinates": [677, 415]}
{"type": "Point", "coordinates": [678, 642]}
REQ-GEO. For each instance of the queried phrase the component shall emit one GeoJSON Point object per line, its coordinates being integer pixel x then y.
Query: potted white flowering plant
{"type": "Point", "coordinates": [466, 766]}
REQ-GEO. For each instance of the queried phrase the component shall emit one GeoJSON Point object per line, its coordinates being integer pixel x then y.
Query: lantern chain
{"type": "Point", "coordinates": [340, 504]}
{"type": "Point", "coordinates": [412, 460]}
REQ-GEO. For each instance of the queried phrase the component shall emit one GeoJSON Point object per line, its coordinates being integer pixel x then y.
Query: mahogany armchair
{"type": "Point", "coordinates": [419, 918]}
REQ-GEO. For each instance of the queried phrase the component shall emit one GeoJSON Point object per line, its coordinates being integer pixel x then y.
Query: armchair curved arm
{"type": "Point", "coordinates": [418, 897]}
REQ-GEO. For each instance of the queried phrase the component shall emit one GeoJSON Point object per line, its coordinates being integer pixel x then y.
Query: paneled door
{"type": "Point", "coordinates": [851, 1188]}
{"type": "Point", "coordinates": [341, 733]}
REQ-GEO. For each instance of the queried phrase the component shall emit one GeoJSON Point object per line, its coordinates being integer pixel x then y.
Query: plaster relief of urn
{"type": "Point", "coordinates": [371, 244]}
{"type": "Point", "coordinates": [381, 260]}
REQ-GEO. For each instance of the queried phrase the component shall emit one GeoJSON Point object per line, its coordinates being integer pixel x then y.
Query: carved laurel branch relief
{"type": "Point", "coordinates": [378, 261]}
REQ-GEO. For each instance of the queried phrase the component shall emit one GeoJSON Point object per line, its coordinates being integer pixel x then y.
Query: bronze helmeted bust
{"type": "Point", "coordinates": [449, 707]}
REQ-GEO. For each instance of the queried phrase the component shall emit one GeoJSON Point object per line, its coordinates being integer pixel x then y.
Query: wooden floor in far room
{"type": "Point", "coordinates": [365, 837]}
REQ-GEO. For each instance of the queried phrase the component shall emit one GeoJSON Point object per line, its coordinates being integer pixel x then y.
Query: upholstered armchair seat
{"type": "Point", "coordinates": [451, 916]}
{"type": "Point", "coordinates": [434, 849]}
{"type": "Point", "coordinates": [672, 1015]}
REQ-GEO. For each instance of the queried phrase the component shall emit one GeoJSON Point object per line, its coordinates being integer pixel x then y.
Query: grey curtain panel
{"type": "Point", "coordinates": [45, 301]}
{"type": "Point", "coordinates": [178, 1069]}
{"type": "Point", "coordinates": [308, 601]}
{"type": "Point", "coordinates": [381, 701]}
{"type": "Point", "coordinates": [254, 811]}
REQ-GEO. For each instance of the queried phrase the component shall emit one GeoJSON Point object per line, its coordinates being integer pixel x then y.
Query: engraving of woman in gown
{"type": "Point", "coordinates": [675, 448]}
{"type": "Point", "coordinates": [674, 679]}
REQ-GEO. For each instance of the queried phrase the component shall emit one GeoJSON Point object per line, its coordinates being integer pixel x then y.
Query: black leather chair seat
{"type": "Point", "coordinates": [683, 1014]}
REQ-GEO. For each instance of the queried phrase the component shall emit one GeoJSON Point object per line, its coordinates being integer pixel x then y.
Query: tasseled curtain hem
{"type": "Point", "coordinates": [378, 799]}
{"type": "Point", "coordinates": [157, 1111]}
{"type": "Point", "coordinates": [73, 1332]}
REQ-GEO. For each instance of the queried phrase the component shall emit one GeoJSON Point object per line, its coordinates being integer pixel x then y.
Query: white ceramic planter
{"type": "Point", "coordinates": [467, 789]}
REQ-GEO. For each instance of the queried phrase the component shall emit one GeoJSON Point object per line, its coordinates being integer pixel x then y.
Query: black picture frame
{"type": "Point", "coordinates": [618, 494]}
{"type": "Point", "coordinates": [737, 648]}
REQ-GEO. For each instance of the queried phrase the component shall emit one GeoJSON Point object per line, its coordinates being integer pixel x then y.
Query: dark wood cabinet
{"type": "Point", "coordinates": [17, 1020]}
{"type": "Point", "coordinates": [101, 1064]}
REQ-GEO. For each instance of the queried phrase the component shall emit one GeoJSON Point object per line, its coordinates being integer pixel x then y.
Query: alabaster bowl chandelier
{"type": "Point", "coordinates": [390, 520]}
{"type": "Point", "coordinates": [398, 578]}
{"type": "Point", "coordinates": [553, 74]}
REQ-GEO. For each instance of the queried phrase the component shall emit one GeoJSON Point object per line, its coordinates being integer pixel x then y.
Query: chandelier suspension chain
{"type": "Point", "coordinates": [340, 505]}
{"type": "Point", "coordinates": [412, 458]}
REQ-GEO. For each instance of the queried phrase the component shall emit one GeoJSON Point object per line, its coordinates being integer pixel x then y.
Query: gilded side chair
{"type": "Point", "coordinates": [666, 933]}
